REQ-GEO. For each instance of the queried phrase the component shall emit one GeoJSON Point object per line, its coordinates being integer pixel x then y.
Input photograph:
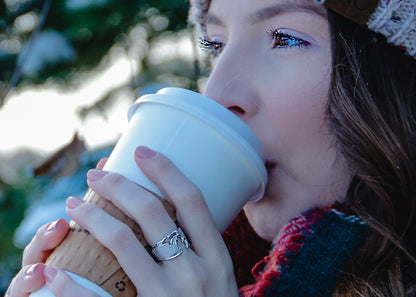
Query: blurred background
{"type": "Point", "coordinates": [69, 70]}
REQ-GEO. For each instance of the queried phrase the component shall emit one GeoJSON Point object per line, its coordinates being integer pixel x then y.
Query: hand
{"type": "Point", "coordinates": [205, 269]}
{"type": "Point", "coordinates": [30, 278]}
{"type": "Point", "coordinates": [32, 275]}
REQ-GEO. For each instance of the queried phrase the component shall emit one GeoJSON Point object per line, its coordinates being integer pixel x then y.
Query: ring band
{"type": "Point", "coordinates": [170, 246]}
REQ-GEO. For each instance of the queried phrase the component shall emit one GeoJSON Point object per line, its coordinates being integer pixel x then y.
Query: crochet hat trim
{"type": "Point", "coordinates": [395, 19]}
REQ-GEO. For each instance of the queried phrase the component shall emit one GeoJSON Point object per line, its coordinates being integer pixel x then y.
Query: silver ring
{"type": "Point", "coordinates": [170, 246]}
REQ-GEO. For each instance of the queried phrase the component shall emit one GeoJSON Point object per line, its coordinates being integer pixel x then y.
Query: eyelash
{"type": "Point", "coordinates": [278, 36]}
{"type": "Point", "coordinates": [215, 48]}
{"type": "Point", "coordinates": [212, 47]}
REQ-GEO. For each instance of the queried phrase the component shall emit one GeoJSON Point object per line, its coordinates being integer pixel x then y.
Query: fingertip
{"type": "Point", "coordinates": [52, 226]}
{"type": "Point", "coordinates": [63, 225]}
{"type": "Point", "coordinates": [52, 235]}
{"type": "Point", "coordinates": [58, 225]}
{"type": "Point", "coordinates": [34, 270]}
{"type": "Point", "coordinates": [29, 279]}
{"type": "Point", "coordinates": [143, 153]}
{"type": "Point", "coordinates": [73, 202]}
{"type": "Point", "coordinates": [46, 238]}
{"type": "Point", "coordinates": [95, 175]}
{"type": "Point", "coordinates": [101, 163]}
{"type": "Point", "coordinates": [50, 273]}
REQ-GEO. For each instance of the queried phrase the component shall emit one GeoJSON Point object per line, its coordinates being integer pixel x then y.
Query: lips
{"type": "Point", "coordinates": [270, 167]}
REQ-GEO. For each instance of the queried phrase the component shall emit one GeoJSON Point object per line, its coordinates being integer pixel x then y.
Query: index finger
{"type": "Point", "coordinates": [193, 212]}
{"type": "Point", "coordinates": [101, 163]}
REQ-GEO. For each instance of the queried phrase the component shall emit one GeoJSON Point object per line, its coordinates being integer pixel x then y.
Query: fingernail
{"type": "Point", "coordinates": [94, 174]}
{"type": "Point", "coordinates": [33, 269]}
{"type": "Point", "coordinates": [144, 152]}
{"type": "Point", "coordinates": [52, 226]}
{"type": "Point", "coordinates": [73, 202]}
{"type": "Point", "coordinates": [101, 163]}
{"type": "Point", "coordinates": [50, 273]}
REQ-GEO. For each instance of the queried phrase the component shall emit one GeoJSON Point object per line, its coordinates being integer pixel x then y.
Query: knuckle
{"type": "Point", "coordinates": [193, 192]}
{"type": "Point", "coordinates": [192, 197]}
{"type": "Point", "coordinates": [88, 215]}
{"type": "Point", "coordinates": [87, 211]}
{"type": "Point", "coordinates": [223, 272]}
{"type": "Point", "coordinates": [194, 281]}
{"type": "Point", "coordinates": [164, 166]}
{"type": "Point", "coordinates": [119, 238]}
{"type": "Point", "coordinates": [147, 208]}
{"type": "Point", "coordinates": [114, 180]}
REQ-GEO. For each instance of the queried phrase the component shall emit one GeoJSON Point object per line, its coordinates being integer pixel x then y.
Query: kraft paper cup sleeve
{"type": "Point", "coordinates": [83, 255]}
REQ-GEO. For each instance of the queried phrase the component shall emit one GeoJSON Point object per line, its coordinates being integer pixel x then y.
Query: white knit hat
{"type": "Point", "coordinates": [395, 19]}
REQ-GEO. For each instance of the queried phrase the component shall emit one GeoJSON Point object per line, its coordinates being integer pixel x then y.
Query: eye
{"type": "Point", "coordinates": [286, 40]}
{"type": "Point", "coordinates": [214, 48]}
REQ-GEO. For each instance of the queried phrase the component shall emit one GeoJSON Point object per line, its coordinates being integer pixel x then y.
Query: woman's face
{"type": "Point", "coordinates": [272, 67]}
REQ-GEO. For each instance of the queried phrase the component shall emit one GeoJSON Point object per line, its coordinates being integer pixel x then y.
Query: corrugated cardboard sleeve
{"type": "Point", "coordinates": [83, 255]}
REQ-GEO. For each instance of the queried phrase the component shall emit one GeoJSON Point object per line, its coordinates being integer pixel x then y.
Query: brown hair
{"type": "Point", "coordinates": [372, 112]}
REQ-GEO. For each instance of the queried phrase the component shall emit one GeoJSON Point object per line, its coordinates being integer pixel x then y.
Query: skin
{"type": "Point", "coordinates": [280, 91]}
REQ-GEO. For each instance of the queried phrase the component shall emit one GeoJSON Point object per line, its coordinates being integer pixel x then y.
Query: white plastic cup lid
{"type": "Point", "coordinates": [218, 117]}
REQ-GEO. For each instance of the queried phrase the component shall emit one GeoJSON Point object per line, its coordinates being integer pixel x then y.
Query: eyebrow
{"type": "Point", "coordinates": [281, 8]}
{"type": "Point", "coordinates": [272, 11]}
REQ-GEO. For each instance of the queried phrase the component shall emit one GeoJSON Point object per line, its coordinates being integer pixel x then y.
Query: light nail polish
{"type": "Point", "coordinates": [95, 174]}
{"type": "Point", "coordinates": [52, 226]}
{"type": "Point", "coordinates": [144, 152]}
{"type": "Point", "coordinates": [32, 269]}
{"type": "Point", "coordinates": [50, 273]}
{"type": "Point", "coordinates": [73, 202]}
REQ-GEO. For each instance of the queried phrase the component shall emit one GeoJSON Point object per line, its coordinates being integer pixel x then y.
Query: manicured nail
{"type": "Point", "coordinates": [143, 152]}
{"type": "Point", "coordinates": [94, 174]}
{"type": "Point", "coordinates": [52, 226]}
{"type": "Point", "coordinates": [33, 269]}
{"type": "Point", "coordinates": [73, 202]}
{"type": "Point", "coordinates": [101, 163]}
{"type": "Point", "coordinates": [50, 273]}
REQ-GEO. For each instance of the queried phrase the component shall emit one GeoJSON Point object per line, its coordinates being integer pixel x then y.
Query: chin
{"type": "Point", "coordinates": [263, 219]}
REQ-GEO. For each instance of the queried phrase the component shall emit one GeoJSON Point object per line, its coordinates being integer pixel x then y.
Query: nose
{"type": "Point", "coordinates": [231, 84]}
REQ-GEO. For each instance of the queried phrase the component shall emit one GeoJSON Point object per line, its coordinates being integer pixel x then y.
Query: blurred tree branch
{"type": "Point", "coordinates": [90, 31]}
{"type": "Point", "coordinates": [18, 70]}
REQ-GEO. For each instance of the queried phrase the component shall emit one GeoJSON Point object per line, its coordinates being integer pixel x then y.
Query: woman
{"type": "Point", "coordinates": [334, 106]}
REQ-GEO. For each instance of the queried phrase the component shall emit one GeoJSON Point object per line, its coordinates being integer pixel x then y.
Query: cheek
{"type": "Point", "coordinates": [297, 127]}
{"type": "Point", "coordinates": [298, 113]}
{"type": "Point", "coordinates": [299, 88]}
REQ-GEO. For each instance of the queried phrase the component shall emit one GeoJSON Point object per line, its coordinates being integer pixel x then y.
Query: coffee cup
{"type": "Point", "coordinates": [208, 143]}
